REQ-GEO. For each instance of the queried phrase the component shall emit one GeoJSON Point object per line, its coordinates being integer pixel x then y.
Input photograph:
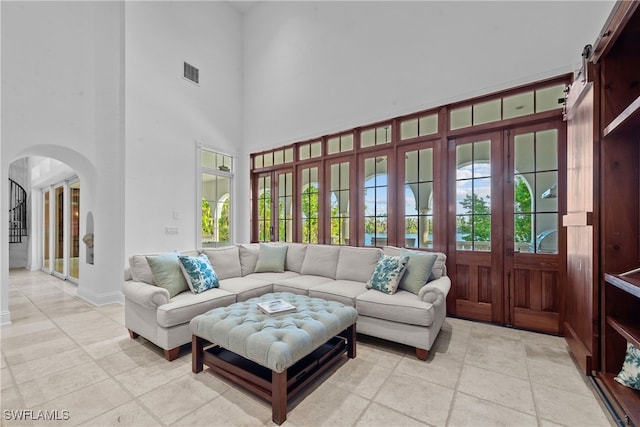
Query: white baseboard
{"type": "Point", "coordinates": [99, 299]}
{"type": "Point", "coordinates": [5, 317]}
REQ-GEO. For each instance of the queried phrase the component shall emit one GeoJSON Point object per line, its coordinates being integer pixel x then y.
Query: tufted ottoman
{"type": "Point", "coordinates": [275, 356]}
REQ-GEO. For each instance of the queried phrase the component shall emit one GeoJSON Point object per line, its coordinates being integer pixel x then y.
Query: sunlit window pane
{"type": "Point", "coordinates": [409, 129]}
{"type": "Point", "coordinates": [278, 157]}
{"type": "Point", "coordinates": [258, 161]}
{"type": "Point", "coordinates": [460, 118]}
{"type": "Point", "coordinates": [288, 155]}
{"type": "Point", "coordinates": [486, 112]}
{"type": "Point", "coordinates": [517, 105]}
{"type": "Point", "coordinates": [548, 98]}
{"type": "Point", "coordinates": [428, 125]}
{"type": "Point", "coordinates": [547, 150]}
{"type": "Point", "coordinates": [524, 152]}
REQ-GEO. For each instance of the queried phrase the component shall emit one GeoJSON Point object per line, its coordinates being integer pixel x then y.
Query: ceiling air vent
{"type": "Point", "coordinates": [191, 73]}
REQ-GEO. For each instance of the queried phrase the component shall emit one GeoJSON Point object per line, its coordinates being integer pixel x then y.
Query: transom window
{"type": "Point", "coordinates": [386, 183]}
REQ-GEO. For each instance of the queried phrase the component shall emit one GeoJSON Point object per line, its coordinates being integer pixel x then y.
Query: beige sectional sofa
{"type": "Point", "coordinates": [338, 273]}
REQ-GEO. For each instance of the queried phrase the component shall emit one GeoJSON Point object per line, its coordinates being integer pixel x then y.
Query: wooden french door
{"type": "Point", "coordinates": [505, 245]}
{"type": "Point", "coordinates": [475, 226]}
{"type": "Point", "coordinates": [534, 241]}
{"type": "Point", "coordinates": [274, 203]}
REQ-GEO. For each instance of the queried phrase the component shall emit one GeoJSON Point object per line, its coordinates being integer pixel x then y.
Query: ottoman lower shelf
{"type": "Point", "coordinates": [277, 387]}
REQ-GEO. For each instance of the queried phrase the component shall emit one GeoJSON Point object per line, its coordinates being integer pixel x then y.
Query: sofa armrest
{"type": "Point", "coordinates": [146, 295]}
{"type": "Point", "coordinates": [435, 291]}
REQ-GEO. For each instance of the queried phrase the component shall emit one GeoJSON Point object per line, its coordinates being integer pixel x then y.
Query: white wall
{"type": "Point", "coordinates": [62, 97]}
{"type": "Point", "coordinates": [313, 68]}
{"type": "Point", "coordinates": [316, 67]}
{"type": "Point", "coordinates": [166, 114]}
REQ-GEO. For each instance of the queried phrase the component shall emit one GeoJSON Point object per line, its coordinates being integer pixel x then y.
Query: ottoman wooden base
{"type": "Point", "coordinates": [277, 387]}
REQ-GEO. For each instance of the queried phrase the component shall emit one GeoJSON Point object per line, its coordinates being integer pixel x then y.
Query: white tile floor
{"type": "Point", "coordinates": [62, 354]}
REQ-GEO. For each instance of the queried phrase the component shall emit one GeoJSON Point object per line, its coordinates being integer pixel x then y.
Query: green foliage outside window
{"type": "Point", "coordinates": [476, 227]}
{"type": "Point", "coordinates": [264, 216]}
{"type": "Point", "coordinates": [223, 223]}
{"type": "Point", "coordinates": [224, 234]}
{"type": "Point", "coordinates": [310, 214]}
{"type": "Point", "coordinates": [207, 223]}
{"type": "Point", "coordinates": [522, 204]}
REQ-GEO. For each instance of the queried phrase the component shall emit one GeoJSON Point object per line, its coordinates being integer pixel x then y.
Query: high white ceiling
{"type": "Point", "coordinates": [242, 5]}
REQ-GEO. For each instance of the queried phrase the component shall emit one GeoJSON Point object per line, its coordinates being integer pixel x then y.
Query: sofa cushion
{"type": "Point", "coordinates": [245, 287]}
{"type": "Point", "coordinates": [295, 256]}
{"type": "Point", "coordinates": [248, 257]}
{"type": "Point", "coordinates": [357, 263]}
{"type": "Point", "coordinates": [167, 273]}
{"type": "Point", "coordinates": [344, 291]}
{"type": "Point", "coordinates": [140, 270]}
{"type": "Point", "coordinates": [388, 273]}
{"type": "Point", "coordinates": [439, 267]}
{"type": "Point", "coordinates": [271, 258]}
{"type": "Point", "coordinates": [321, 260]}
{"type": "Point", "coordinates": [402, 307]}
{"type": "Point", "coordinates": [272, 277]}
{"type": "Point", "coordinates": [299, 284]}
{"type": "Point", "coordinates": [186, 305]}
{"type": "Point", "coordinates": [225, 261]}
{"type": "Point", "coordinates": [198, 272]}
{"type": "Point", "coordinates": [418, 270]}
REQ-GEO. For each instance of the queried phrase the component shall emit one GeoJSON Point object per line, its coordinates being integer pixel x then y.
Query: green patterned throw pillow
{"type": "Point", "coordinates": [630, 373]}
{"type": "Point", "coordinates": [199, 273]}
{"type": "Point", "coordinates": [388, 273]}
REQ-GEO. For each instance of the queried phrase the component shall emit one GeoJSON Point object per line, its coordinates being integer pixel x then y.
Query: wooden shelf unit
{"type": "Point", "coordinates": [603, 152]}
{"type": "Point", "coordinates": [621, 306]}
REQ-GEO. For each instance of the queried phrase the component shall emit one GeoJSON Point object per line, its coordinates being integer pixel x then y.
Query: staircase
{"type": "Point", "coordinates": [17, 212]}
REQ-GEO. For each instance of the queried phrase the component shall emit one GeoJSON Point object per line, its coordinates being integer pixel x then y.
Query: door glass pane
{"type": "Point", "coordinates": [46, 230]}
{"type": "Point", "coordinates": [264, 208]}
{"type": "Point", "coordinates": [547, 233]}
{"type": "Point", "coordinates": [59, 231]}
{"type": "Point", "coordinates": [285, 207]}
{"type": "Point", "coordinates": [215, 210]}
{"type": "Point", "coordinates": [524, 153]}
{"type": "Point", "coordinates": [535, 192]}
{"type": "Point", "coordinates": [339, 209]}
{"type": "Point", "coordinates": [375, 201]}
{"type": "Point", "coordinates": [74, 229]}
{"type": "Point", "coordinates": [547, 150]}
{"type": "Point", "coordinates": [418, 196]}
{"type": "Point", "coordinates": [473, 196]}
{"type": "Point", "coordinates": [309, 202]}
{"type": "Point", "coordinates": [546, 195]}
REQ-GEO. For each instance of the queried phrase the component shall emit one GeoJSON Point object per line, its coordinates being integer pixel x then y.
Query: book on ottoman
{"type": "Point", "coordinates": [276, 306]}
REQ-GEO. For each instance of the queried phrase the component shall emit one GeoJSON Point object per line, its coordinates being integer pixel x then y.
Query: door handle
{"type": "Point", "coordinates": [511, 252]}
